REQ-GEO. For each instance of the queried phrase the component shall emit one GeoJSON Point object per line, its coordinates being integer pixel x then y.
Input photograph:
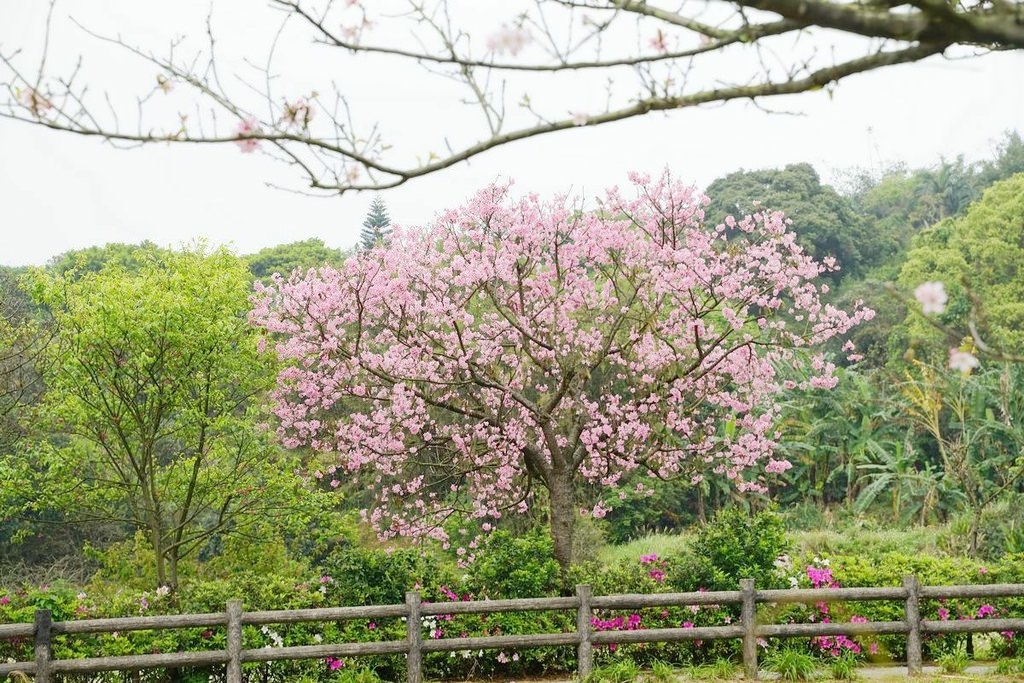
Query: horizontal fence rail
{"type": "Point", "coordinates": [584, 638]}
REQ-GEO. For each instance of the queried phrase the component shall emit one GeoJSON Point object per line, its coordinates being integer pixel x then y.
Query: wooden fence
{"type": "Point", "coordinates": [584, 638]}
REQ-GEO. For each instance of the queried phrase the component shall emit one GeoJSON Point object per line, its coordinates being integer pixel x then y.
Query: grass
{"type": "Point", "coordinates": [791, 665]}
{"type": "Point", "coordinates": [923, 540]}
{"type": "Point", "coordinates": [623, 671]}
{"type": "Point", "coordinates": [954, 662]}
{"type": "Point", "coordinates": [720, 670]}
{"type": "Point", "coordinates": [660, 543]}
{"type": "Point", "coordinates": [844, 667]}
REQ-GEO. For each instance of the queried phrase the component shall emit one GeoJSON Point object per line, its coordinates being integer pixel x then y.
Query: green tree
{"type": "Point", "coordinates": [979, 255]}
{"type": "Point", "coordinates": [824, 221]}
{"type": "Point", "coordinates": [973, 421]}
{"type": "Point", "coordinates": [376, 226]}
{"type": "Point", "coordinates": [154, 376]}
{"type": "Point", "coordinates": [131, 257]}
{"type": "Point", "coordinates": [22, 342]}
{"type": "Point", "coordinates": [287, 258]}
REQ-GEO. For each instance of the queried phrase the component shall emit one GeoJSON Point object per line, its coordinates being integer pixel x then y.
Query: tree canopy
{"type": "Point", "coordinates": [824, 221]}
{"type": "Point", "coordinates": [980, 258]}
{"type": "Point", "coordinates": [153, 377]}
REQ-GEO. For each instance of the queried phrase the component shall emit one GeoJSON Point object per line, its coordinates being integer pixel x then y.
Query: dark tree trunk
{"type": "Point", "coordinates": [563, 517]}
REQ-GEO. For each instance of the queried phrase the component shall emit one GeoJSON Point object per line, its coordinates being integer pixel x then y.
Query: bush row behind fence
{"type": "Point", "coordinates": [584, 638]}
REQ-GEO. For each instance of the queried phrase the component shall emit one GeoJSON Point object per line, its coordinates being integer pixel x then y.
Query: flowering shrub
{"type": "Point", "coordinates": [355, 575]}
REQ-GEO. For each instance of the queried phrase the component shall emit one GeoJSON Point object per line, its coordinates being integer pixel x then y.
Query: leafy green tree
{"type": "Point", "coordinates": [823, 220]}
{"type": "Point", "coordinates": [1009, 160]}
{"type": "Point", "coordinates": [973, 421]}
{"type": "Point", "coordinates": [979, 255]}
{"type": "Point", "coordinates": [153, 380]}
{"type": "Point", "coordinates": [22, 342]}
{"type": "Point", "coordinates": [287, 258]}
{"type": "Point", "coordinates": [131, 257]}
{"type": "Point", "coordinates": [830, 433]}
{"type": "Point", "coordinates": [376, 226]}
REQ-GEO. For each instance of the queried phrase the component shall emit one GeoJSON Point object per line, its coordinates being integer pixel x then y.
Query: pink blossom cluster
{"type": "Point", "coordinates": [517, 343]}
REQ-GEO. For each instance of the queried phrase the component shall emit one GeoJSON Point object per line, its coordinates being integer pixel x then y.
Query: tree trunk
{"type": "Point", "coordinates": [159, 559]}
{"type": "Point", "coordinates": [563, 517]}
{"type": "Point", "coordinates": [975, 529]}
{"type": "Point", "coordinates": [172, 573]}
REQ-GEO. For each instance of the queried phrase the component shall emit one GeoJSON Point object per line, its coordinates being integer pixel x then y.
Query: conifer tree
{"type": "Point", "coordinates": [376, 228]}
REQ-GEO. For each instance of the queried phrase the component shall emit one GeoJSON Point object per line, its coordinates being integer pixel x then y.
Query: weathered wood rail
{"type": "Point", "coordinates": [584, 638]}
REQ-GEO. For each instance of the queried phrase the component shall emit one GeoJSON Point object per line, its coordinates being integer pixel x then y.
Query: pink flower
{"type": "Point", "coordinates": [986, 611]}
{"type": "Point", "coordinates": [962, 360]}
{"type": "Point", "coordinates": [511, 39]}
{"type": "Point", "coordinates": [4, 600]}
{"type": "Point", "coordinates": [247, 127]}
{"type": "Point", "coordinates": [649, 559]}
{"type": "Point", "coordinates": [334, 664]}
{"type": "Point", "coordinates": [932, 297]}
{"type": "Point", "coordinates": [657, 575]}
{"type": "Point", "coordinates": [298, 114]}
{"type": "Point", "coordinates": [658, 42]}
{"type": "Point", "coordinates": [943, 614]}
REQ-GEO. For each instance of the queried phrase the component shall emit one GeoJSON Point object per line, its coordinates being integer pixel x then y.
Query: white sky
{"type": "Point", "coordinates": [60, 191]}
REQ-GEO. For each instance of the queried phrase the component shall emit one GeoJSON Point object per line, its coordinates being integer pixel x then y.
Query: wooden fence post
{"type": "Point", "coordinates": [912, 615]}
{"type": "Point", "coordinates": [44, 622]}
{"type": "Point", "coordinates": [234, 641]}
{"type": "Point", "coordinates": [584, 617]}
{"type": "Point", "coordinates": [414, 637]}
{"type": "Point", "coordinates": [748, 617]}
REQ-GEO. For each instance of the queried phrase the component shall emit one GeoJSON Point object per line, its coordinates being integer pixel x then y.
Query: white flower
{"type": "Point", "coordinates": [932, 297]}
{"type": "Point", "coordinates": [579, 118]}
{"type": "Point", "coordinates": [163, 591]}
{"type": "Point", "coordinates": [962, 360]}
{"type": "Point", "coordinates": [317, 638]}
{"type": "Point", "coordinates": [793, 582]}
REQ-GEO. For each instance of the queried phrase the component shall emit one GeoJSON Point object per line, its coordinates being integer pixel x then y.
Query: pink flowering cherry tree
{"type": "Point", "coordinates": [518, 349]}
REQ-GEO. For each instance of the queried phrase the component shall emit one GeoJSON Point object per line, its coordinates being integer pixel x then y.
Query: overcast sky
{"type": "Point", "coordinates": [60, 191]}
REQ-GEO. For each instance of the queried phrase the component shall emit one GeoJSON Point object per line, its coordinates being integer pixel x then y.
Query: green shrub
{"type": "Point", "coordinates": [510, 567]}
{"type": "Point", "coordinates": [739, 545]}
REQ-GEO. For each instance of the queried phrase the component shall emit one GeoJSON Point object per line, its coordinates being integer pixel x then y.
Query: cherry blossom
{"type": "Point", "coordinates": [658, 42]}
{"type": "Point", "coordinates": [298, 114]}
{"type": "Point", "coordinates": [543, 347]}
{"type": "Point", "coordinates": [932, 297]}
{"type": "Point", "coordinates": [579, 118]}
{"type": "Point", "coordinates": [247, 126]}
{"type": "Point", "coordinates": [510, 39]}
